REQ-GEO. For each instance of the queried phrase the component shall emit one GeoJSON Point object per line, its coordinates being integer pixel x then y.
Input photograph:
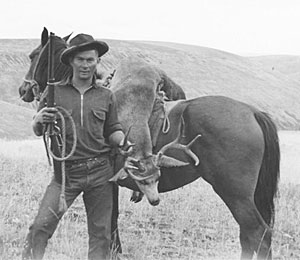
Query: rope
{"type": "Point", "coordinates": [166, 124]}
{"type": "Point", "coordinates": [62, 201]}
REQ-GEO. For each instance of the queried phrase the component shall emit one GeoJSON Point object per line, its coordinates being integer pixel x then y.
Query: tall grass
{"type": "Point", "coordinates": [190, 223]}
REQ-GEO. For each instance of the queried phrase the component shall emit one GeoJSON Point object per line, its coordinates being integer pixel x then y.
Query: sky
{"type": "Point", "coordinates": [249, 27]}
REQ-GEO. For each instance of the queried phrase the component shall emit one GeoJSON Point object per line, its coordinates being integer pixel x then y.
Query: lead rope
{"type": "Point", "coordinates": [166, 124]}
{"type": "Point", "coordinates": [62, 207]}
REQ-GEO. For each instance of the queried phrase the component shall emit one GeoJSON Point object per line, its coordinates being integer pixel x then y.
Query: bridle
{"type": "Point", "coordinates": [34, 86]}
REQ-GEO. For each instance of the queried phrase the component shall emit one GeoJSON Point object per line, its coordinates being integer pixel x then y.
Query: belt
{"type": "Point", "coordinates": [86, 160]}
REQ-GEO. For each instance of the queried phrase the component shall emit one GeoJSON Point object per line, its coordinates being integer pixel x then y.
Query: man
{"type": "Point", "coordinates": [88, 170]}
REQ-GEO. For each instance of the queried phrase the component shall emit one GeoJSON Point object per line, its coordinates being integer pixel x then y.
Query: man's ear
{"type": "Point", "coordinates": [98, 60]}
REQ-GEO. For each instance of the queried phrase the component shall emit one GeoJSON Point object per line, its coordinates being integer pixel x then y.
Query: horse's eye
{"type": "Point", "coordinates": [31, 57]}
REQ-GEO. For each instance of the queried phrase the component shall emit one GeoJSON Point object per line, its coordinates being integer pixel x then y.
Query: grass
{"type": "Point", "coordinates": [190, 223]}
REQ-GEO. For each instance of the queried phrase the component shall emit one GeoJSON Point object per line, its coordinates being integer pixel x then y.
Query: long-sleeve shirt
{"type": "Point", "coordinates": [95, 116]}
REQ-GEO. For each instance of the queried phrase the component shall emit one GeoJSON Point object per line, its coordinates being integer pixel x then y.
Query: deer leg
{"type": "Point", "coordinates": [136, 196]}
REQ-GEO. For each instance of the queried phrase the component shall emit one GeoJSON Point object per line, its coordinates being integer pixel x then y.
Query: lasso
{"type": "Point", "coordinates": [47, 134]}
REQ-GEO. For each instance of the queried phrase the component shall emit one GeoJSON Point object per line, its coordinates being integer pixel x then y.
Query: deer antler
{"type": "Point", "coordinates": [138, 178]}
{"type": "Point", "coordinates": [124, 149]}
{"type": "Point", "coordinates": [134, 164]}
{"type": "Point", "coordinates": [175, 144]}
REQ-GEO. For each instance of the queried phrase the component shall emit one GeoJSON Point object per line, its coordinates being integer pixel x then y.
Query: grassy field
{"type": "Point", "coordinates": [190, 223]}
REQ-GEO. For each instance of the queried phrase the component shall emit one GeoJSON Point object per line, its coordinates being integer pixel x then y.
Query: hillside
{"type": "Point", "coordinates": [200, 71]}
{"type": "Point", "coordinates": [15, 121]}
{"type": "Point", "coordinates": [285, 64]}
{"type": "Point", "coordinates": [14, 64]}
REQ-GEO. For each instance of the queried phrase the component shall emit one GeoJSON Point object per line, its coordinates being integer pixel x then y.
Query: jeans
{"type": "Point", "coordinates": [91, 178]}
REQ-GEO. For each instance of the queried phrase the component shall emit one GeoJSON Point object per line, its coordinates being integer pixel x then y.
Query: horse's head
{"type": "Point", "coordinates": [36, 78]}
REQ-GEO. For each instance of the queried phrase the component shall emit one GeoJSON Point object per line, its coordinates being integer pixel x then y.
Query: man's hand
{"type": "Point", "coordinates": [117, 139]}
{"type": "Point", "coordinates": [46, 115]}
{"type": "Point", "coordinates": [126, 149]}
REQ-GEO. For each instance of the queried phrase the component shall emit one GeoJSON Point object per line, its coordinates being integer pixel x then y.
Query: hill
{"type": "Point", "coordinates": [14, 63]}
{"type": "Point", "coordinates": [286, 65]}
{"type": "Point", "coordinates": [199, 70]}
{"type": "Point", "coordinates": [15, 121]}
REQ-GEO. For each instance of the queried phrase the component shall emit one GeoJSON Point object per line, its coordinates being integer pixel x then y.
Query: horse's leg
{"type": "Point", "coordinates": [255, 235]}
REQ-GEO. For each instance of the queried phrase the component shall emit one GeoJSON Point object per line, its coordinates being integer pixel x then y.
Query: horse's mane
{"type": "Point", "coordinates": [61, 71]}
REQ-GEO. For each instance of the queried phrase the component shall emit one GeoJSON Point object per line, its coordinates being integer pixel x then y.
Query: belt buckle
{"type": "Point", "coordinates": [91, 162]}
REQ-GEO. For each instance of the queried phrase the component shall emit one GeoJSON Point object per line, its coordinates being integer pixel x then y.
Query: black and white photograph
{"type": "Point", "coordinates": [150, 130]}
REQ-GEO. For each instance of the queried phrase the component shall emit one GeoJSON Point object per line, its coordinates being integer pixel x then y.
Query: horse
{"type": "Point", "coordinates": [238, 151]}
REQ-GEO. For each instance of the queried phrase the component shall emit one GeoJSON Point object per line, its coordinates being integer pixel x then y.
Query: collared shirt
{"type": "Point", "coordinates": [94, 113]}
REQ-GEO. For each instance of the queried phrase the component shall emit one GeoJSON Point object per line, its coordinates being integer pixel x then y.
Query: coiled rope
{"type": "Point", "coordinates": [62, 207]}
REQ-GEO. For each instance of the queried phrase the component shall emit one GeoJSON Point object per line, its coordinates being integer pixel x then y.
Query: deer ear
{"type": "Point", "coordinates": [120, 175]}
{"type": "Point", "coordinates": [167, 161]}
{"type": "Point", "coordinates": [45, 36]}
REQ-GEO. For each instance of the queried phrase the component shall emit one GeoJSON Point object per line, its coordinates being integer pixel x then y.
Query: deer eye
{"type": "Point", "coordinates": [143, 182]}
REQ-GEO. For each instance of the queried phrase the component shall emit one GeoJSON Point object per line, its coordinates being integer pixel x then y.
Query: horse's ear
{"type": "Point", "coordinates": [45, 36]}
{"type": "Point", "coordinates": [66, 38]}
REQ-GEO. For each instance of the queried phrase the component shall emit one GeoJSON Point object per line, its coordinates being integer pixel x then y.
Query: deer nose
{"type": "Point", "coordinates": [154, 202]}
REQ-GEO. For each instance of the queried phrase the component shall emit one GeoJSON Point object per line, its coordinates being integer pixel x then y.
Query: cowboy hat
{"type": "Point", "coordinates": [83, 42]}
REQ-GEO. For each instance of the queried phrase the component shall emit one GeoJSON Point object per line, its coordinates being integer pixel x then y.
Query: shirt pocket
{"type": "Point", "coordinates": [97, 122]}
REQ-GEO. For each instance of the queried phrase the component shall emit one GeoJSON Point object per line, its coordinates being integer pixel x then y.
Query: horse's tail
{"type": "Point", "coordinates": [267, 184]}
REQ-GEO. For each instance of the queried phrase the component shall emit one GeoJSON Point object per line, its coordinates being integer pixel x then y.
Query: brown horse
{"type": "Point", "coordinates": [238, 149]}
{"type": "Point", "coordinates": [239, 156]}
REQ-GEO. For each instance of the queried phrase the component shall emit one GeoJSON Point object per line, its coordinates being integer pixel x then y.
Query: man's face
{"type": "Point", "coordinates": [84, 64]}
